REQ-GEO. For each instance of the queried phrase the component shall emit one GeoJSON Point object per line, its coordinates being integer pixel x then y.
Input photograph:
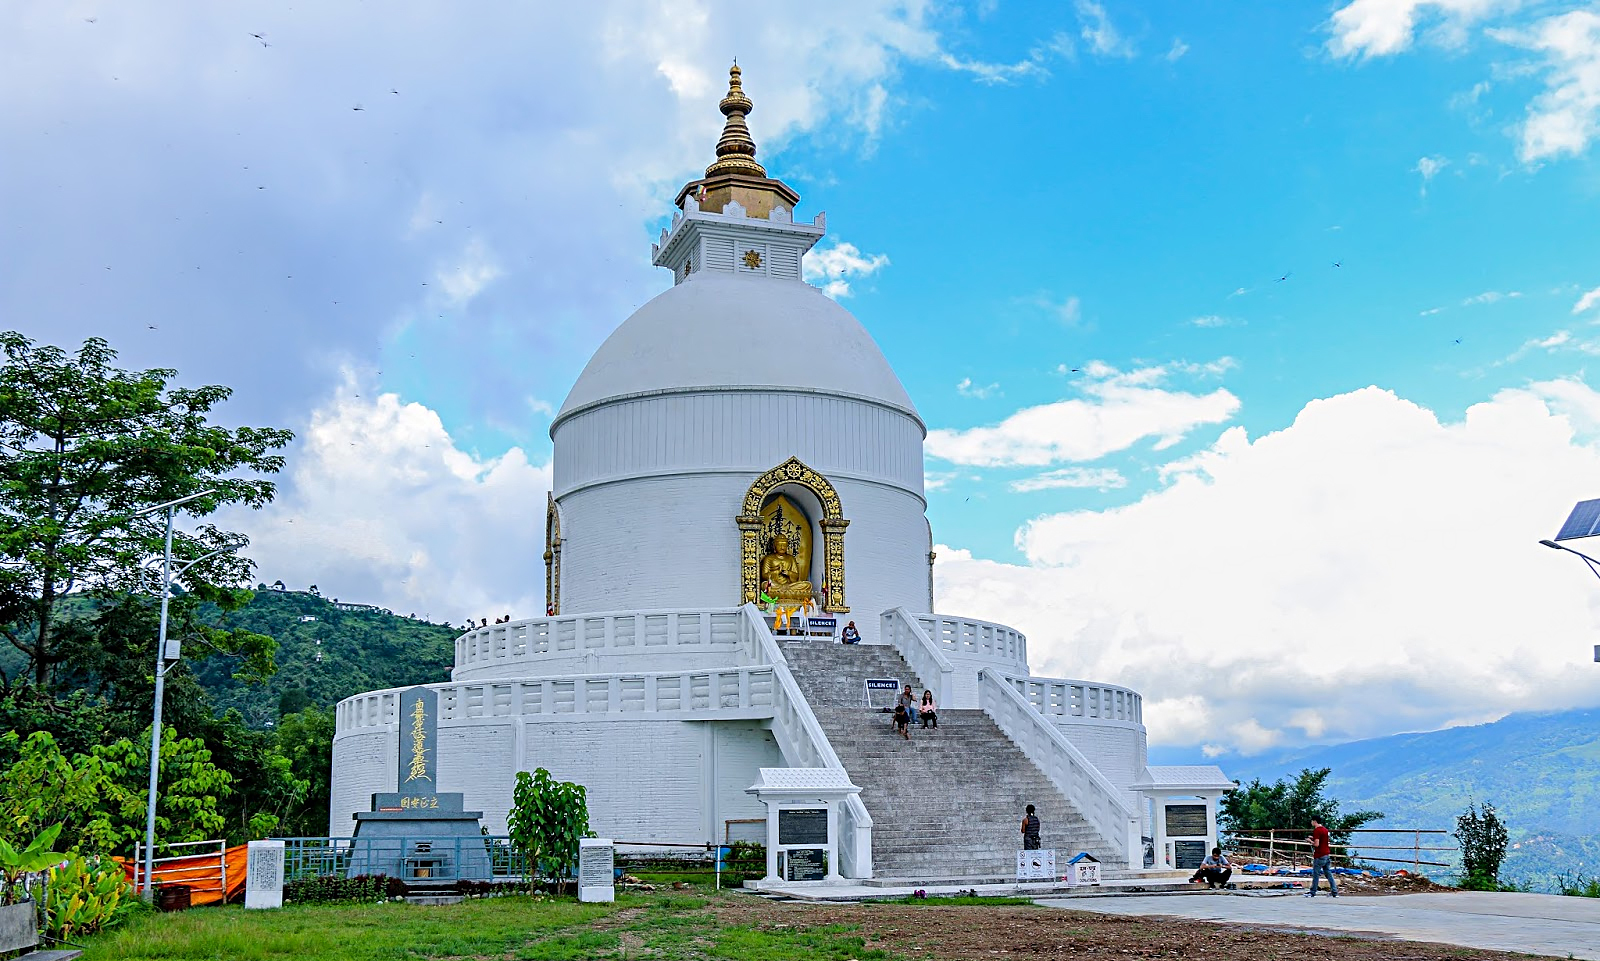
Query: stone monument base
{"type": "Point", "coordinates": [420, 839]}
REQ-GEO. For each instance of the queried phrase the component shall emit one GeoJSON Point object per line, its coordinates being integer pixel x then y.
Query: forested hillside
{"type": "Point", "coordinates": [325, 654]}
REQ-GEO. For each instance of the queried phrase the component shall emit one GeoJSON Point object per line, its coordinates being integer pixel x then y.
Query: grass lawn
{"type": "Point", "coordinates": [664, 926]}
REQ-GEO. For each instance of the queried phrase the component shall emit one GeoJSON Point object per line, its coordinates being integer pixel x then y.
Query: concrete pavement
{"type": "Point", "coordinates": [1546, 924]}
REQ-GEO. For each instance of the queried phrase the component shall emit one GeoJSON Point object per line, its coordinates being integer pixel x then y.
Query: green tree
{"type": "Point", "coordinates": [83, 445]}
{"type": "Point", "coordinates": [1483, 838]}
{"type": "Point", "coordinates": [1288, 804]}
{"type": "Point", "coordinates": [546, 821]}
{"type": "Point", "coordinates": [305, 742]}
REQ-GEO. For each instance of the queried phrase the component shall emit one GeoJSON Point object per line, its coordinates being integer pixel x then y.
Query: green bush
{"type": "Point", "coordinates": [1483, 839]}
{"type": "Point", "coordinates": [745, 859]}
{"type": "Point", "coordinates": [363, 888]}
{"type": "Point", "coordinates": [1579, 886]}
{"type": "Point", "coordinates": [546, 821]}
{"type": "Point", "coordinates": [85, 895]}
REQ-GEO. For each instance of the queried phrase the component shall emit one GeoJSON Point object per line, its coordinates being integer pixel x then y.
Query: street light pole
{"type": "Point", "coordinates": [161, 678]}
{"type": "Point", "coordinates": [1594, 566]}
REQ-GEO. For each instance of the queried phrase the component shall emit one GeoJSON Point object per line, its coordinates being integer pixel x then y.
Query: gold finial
{"type": "Point", "coordinates": [736, 150]}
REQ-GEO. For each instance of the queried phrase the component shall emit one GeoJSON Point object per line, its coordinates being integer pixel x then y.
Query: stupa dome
{"type": "Point", "coordinates": [723, 330]}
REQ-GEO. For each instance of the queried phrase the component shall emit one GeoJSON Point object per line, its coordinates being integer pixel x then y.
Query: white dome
{"type": "Point", "coordinates": [724, 330]}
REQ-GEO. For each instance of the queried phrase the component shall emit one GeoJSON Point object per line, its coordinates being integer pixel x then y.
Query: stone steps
{"type": "Point", "coordinates": [920, 793]}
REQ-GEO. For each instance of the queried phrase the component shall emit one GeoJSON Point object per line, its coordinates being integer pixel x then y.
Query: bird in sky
{"type": "Point", "coordinates": [1337, 264]}
{"type": "Point", "coordinates": [1458, 340]}
{"type": "Point", "coordinates": [394, 91]}
{"type": "Point", "coordinates": [358, 107]}
{"type": "Point", "coordinates": [151, 326]}
{"type": "Point", "coordinates": [1283, 278]}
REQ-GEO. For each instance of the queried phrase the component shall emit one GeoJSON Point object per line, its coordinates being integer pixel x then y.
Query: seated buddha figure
{"type": "Point", "coordinates": [782, 570]}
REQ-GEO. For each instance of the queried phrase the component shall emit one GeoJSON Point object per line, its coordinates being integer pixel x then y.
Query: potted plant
{"type": "Point", "coordinates": [19, 920]}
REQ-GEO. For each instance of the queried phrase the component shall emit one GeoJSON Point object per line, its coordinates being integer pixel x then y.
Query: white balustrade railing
{"type": "Point", "coordinates": [615, 633]}
{"type": "Point", "coordinates": [732, 693]}
{"type": "Point", "coordinates": [901, 628]}
{"type": "Point", "coordinates": [804, 744]}
{"type": "Point", "coordinates": [971, 637]}
{"type": "Point", "coordinates": [1101, 804]}
{"type": "Point", "coordinates": [1069, 700]}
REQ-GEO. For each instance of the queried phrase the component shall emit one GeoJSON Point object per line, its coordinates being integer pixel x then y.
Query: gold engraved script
{"type": "Point", "coordinates": [419, 744]}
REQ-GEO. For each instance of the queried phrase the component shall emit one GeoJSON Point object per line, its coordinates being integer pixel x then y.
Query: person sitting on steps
{"type": "Point", "coordinates": [902, 721]}
{"type": "Point", "coordinates": [908, 701]}
{"type": "Point", "coordinates": [1215, 870]}
{"type": "Point", "coordinates": [851, 634]}
{"type": "Point", "coordinates": [928, 711]}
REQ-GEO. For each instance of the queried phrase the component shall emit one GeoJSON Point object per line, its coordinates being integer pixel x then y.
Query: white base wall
{"type": "Point", "coordinates": [1119, 749]}
{"type": "Point", "coordinates": [647, 780]}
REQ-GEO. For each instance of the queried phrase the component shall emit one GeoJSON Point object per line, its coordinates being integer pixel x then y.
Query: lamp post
{"type": "Point", "coordinates": [161, 674]}
{"type": "Point", "coordinates": [1594, 566]}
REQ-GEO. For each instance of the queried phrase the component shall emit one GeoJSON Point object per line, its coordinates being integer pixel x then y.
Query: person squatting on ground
{"type": "Point", "coordinates": [1030, 830]}
{"type": "Point", "coordinates": [902, 721]}
{"type": "Point", "coordinates": [1321, 859]}
{"type": "Point", "coordinates": [1215, 870]}
{"type": "Point", "coordinates": [928, 711]}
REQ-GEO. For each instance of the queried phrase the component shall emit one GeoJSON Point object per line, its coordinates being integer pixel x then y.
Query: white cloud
{"type": "Point", "coordinates": [475, 270]}
{"type": "Point", "coordinates": [1560, 338]}
{"type": "Point", "coordinates": [1586, 301]}
{"type": "Point", "coordinates": [1366, 570]}
{"type": "Point", "coordinates": [1215, 320]}
{"type": "Point", "coordinates": [381, 506]}
{"type": "Point", "coordinates": [1429, 312]}
{"type": "Point", "coordinates": [1035, 65]}
{"type": "Point", "coordinates": [1068, 312]}
{"type": "Point", "coordinates": [1121, 410]}
{"type": "Point", "coordinates": [968, 389]}
{"type": "Point", "coordinates": [1100, 33]}
{"type": "Point", "coordinates": [1101, 478]}
{"type": "Point", "coordinates": [1179, 48]}
{"type": "Point", "coordinates": [1491, 297]}
{"type": "Point", "coordinates": [834, 267]}
{"type": "Point", "coordinates": [1375, 28]}
{"type": "Point", "coordinates": [1429, 168]}
{"type": "Point", "coordinates": [1566, 116]}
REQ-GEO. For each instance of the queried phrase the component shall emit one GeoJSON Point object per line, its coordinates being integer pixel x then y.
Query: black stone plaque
{"type": "Point", "coordinates": [419, 740]}
{"type": "Point", "coordinates": [1188, 854]}
{"type": "Point", "coordinates": [448, 802]}
{"type": "Point", "coordinates": [806, 864]}
{"type": "Point", "coordinates": [1186, 821]}
{"type": "Point", "coordinates": [802, 825]}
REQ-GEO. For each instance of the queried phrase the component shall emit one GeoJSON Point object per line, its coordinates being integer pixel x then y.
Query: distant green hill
{"type": "Point", "coordinates": [1540, 771]}
{"type": "Point", "coordinates": [326, 654]}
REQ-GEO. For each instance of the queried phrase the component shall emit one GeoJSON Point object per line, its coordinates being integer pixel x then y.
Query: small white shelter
{"type": "Point", "coordinates": [1183, 815]}
{"type": "Point", "coordinates": [802, 822]}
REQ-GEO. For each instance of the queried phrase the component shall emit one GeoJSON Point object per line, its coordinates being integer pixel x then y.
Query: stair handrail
{"type": "Point", "coordinates": [900, 627]}
{"type": "Point", "coordinates": [800, 736]}
{"type": "Point", "coordinates": [1078, 780]}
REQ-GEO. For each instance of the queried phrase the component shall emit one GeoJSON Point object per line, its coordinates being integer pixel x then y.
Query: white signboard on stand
{"type": "Point", "coordinates": [263, 879]}
{"type": "Point", "coordinates": [1036, 865]}
{"type": "Point", "coordinates": [596, 870]}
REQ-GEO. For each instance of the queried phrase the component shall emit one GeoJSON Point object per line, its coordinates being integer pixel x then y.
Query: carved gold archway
{"type": "Point", "coordinates": [793, 471]}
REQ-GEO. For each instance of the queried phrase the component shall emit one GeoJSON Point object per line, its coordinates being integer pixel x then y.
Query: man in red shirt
{"type": "Point", "coordinates": [1321, 859]}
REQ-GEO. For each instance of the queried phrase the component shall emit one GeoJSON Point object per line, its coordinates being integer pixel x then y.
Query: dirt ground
{"type": "Point", "coordinates": [982, 933]}
{"type": "Point", "coordinates": [1386, 884]}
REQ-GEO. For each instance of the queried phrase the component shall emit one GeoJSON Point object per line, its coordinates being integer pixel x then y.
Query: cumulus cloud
{"type": "Point", "coordinates": [1491, 297]}
{"type": "Point", "coordinates": [1586, 301]}
{"type": "Point", "coordinates": [381, 505]}
{"type": "Point", "coordinates": [1429, 168]}
{"type": "Point", "coordinates": [1375, 28]}
{"type": "Point", "coordinates": [1101, 478]}
{"type": "Point", "coordinates": [1100, 33]}
{"type": "Point", "coordinates": [1566, 116]}
{"type": "Point", "coordinates": [966, 388]}
{"type": "Point", "coordinates": [1369, 563]}
{"type": "Point", "coordinates": [1120, 410]}
{"type": "Point", "coordinates": [1178, 49]}
{"type": "Point", "coordinates": [834, 267]}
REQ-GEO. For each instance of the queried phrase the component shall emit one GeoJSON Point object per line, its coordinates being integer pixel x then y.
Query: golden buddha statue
{"type": "Point", "coordinates": [782, 576]}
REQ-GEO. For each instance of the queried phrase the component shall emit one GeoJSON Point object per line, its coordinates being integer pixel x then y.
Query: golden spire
{"type": "Point", "coordinates": [736, 150]}
{"type": "Point", "coordinates": [735, 177]}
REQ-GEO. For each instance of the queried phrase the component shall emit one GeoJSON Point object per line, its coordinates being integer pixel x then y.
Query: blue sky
{"type": "Point", "coordinates": [1013, 191]}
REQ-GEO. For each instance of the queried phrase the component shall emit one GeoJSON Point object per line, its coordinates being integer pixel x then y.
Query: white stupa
{"type": "Point", "coordinates": [709, 480]}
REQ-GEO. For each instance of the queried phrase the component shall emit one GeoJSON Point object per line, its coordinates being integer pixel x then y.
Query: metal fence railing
{"type": "Point", "coordinates": [201, 866]}
{"type": "Point", "coordinates": [419, 858]}
{"type": "Point", "coordinates": [1293, 845]}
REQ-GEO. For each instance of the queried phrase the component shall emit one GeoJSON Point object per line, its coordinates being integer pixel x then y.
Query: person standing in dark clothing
{"type": "Point", "coordinates": [1030, 830]}
{"type": "Point", "coordinates": [1321, 859]}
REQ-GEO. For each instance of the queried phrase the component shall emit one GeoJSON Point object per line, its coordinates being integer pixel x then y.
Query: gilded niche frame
{"type": "Point", "coordinates": [552, 556]}
{"type": "Point", "coordinates": [832, 522]}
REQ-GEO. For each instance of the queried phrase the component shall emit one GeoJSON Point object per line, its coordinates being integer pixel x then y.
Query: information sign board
{"type": "Point", "coordinates": [1039, 865]}
{"type": "Point", "coordinates": [802, 825]}
{"type": "Point", "coordinates": [806, 864]}
{"type": "Point", "coordinates": [263, 878]}
{"type": "Point", "coordinates": [1187, 855]}
{"type": "Point", "coordinates": [880, 691]}
{"type": "Point", "coordinates": [1186, 821]}
{"type": "Point", "coordinates": [596, 870]}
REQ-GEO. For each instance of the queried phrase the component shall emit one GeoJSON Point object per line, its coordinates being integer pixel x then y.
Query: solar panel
{"type": "Point", "coordinates": [1583, 522]}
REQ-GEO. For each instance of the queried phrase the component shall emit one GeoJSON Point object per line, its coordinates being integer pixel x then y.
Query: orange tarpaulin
{"type": "Point", "coordinates": [202, 873]}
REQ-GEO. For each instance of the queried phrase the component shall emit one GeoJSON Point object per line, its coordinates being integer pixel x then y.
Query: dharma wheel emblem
{"type": "Point", "coordinates": [752, 259]}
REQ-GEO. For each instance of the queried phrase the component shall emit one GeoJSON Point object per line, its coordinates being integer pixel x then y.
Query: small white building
{"type": "Point", "coordinates": [741, 436]}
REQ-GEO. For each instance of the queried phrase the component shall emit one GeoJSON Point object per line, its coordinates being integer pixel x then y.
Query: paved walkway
{"type": "Point", "coordinates": [1533, 923]}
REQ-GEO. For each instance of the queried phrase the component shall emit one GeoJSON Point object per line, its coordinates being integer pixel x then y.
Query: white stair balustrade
{"type": "Point", "coordinates": [1086, 701]}
{"type": "Point", "coordinates": [1100, 803]}
{"type": "Point", "coordinates": [803, 743]}
{"type": "Point", "coordinates": [564, 643]}
{"type": "Point", "coordinates": [901, 628]}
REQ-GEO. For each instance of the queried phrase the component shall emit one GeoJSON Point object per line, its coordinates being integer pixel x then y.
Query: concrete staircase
{"type": "Point", "coordinates": [947, 804]}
